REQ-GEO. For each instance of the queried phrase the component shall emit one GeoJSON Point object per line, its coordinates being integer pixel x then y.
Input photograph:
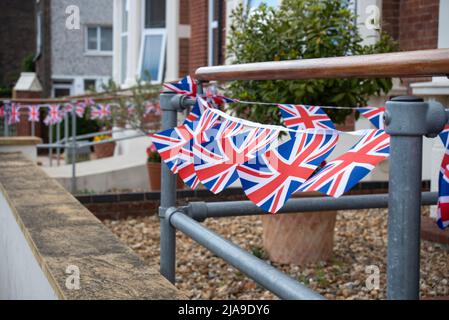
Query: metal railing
{"type": "Point", "coordinates": [72, 143]}
{"type": "Point", "coordinates": [407, 120]}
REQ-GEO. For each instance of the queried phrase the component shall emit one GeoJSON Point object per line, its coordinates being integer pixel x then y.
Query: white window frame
{"type": "Point", "coordinates": [97, 51]}
{"type": "Point", "coordinates": [61, 86]}
{"type": "Point", "coordinates": [153, 31]}
{"type": "Point", "coordinates": [124, 35]}
{"type": "Point", "coordinates": [212, 25]}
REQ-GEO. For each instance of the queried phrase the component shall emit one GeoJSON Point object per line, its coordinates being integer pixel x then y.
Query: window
{"type": "Point", "coordinates": [90, 84]}
{"type": "Point", "coordinates": [152, 55]}
{"type": "Point", "coordinates": [124, 38]}
{"type": "Point", "coordinates": [99, 39]}
{"type": "Point", "coordinates": [154, 14]}
{"type": "Point", "coordinates": [62, 88]}
{"type": "Point", "coordinates": [153, 44]}
{"type": "Point", "coordinates": [215, 41]}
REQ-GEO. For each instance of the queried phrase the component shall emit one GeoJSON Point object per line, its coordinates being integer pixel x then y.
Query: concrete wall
{"type": "Point", "coordinates": [52, 247]}
{"type": "Point", "coordinates": [20, 274]}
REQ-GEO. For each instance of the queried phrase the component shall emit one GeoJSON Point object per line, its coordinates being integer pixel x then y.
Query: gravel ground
{"type": "Point", "coordinates": [360, 240]}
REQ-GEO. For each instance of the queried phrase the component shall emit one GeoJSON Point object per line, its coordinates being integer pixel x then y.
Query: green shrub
{"type": "Point", "coordinates": [300, 29]}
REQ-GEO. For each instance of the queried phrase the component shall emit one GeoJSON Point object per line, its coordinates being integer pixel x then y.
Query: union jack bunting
{"type": "Point", "coordinates": [271, 178]}
{"type": "Point", "coordinates": [33, 113]}
{"type": "Point", "coordinates": [80, 107]}
{"type": "Point", "coordinates": [170, 143]}
{"type": "Point", "coordinates": [216, 162]}
{"type": "Point", "coordinates": [185, 86]}
{"type": "Point", "coordinates": [374, 115]}
{"type": "Point", "coordinates": [54, 115]}
{"type": "Point", "coordinates": [101, 111]}
{"type": "Point", "coordinates": [185, 162]}
{"type": "Point", "coordinates": [443, 183]}
{"type": "Point", "coordinates": [300, 117]}
{"type": "Point", "coordinates": [217, 100]}
{"type": "Point", "coordinates": [343, 173]}
{"type": "Point", "coordinates": [443, 199]}
{"type": "Point", "coordinates": [2, 112]}
{"type": "Point", "coordinates": [14, 114]}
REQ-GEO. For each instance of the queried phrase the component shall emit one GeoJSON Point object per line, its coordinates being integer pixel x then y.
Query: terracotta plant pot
{"type": "Point", "coordinates": [104, 150]}
{"type": "Point", "coordinates": [154, 175]}
{"type": "Point", "coordinates": [299, 238]}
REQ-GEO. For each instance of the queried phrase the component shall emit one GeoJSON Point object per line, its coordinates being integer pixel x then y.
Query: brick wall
{"type": "Point", "coordinates": [17, 34]}
{"type": "Point", "coordinates": [198, 36]}
{"type": "Point", "coordinates": [418, 24]}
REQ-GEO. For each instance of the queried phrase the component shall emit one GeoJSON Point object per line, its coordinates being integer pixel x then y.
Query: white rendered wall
{"type": "Point", "coordinates": [30, 151]}
{"type": "Point", "coordinates": [20, 274]}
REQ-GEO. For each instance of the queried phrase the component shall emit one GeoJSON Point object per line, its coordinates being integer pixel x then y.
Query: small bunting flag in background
{"type": "Point", "coordinates": [33, 113]}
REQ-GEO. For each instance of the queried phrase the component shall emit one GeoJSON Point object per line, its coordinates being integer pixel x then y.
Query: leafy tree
{"type": "Point", "coordinates": [300, 29]}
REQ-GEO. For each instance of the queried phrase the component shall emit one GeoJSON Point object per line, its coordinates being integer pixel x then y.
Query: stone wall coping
{"type": "Point", "coordinates": [19, 141]}
{"type": "Point", "coordinates": [61, 232]}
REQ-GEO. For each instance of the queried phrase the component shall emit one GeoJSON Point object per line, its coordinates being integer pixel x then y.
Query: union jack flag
{"type": "Point", "coordinates": [374, 115]}
{"type": "Point", "coordinates": [80, 107]}
{"type": "Point", "coordinates": [53, 116]}
{"type": "Point", "coordinates": [443, 183]}
{"type": "Point", "coordinates": [2, 112]}
{"type": "Point", "coordinates": [217, 100]}
{"type": "Point", "coordinates": [185, 86]}
{"type": "Point", "coordinates": [300, 117]}
{"type": "Point", "coordinates": [14, 114]}
{"type": "Point", "coordinates": [33, 113]}
{"type": "Point", "coordinates": [270, 179]}
{"type": "Point", "coordinates": [171, 143]}
{"type": "Point", "coordinates": [150, 107]}
{"type": "Point", "coordinates": [343, 173]}
{"type": "Point", "coordinates": [216, 162]}
{"type": "Point", "coordinates": [185, 162]}
{"type": "Point", "coordinates": [101, 111]}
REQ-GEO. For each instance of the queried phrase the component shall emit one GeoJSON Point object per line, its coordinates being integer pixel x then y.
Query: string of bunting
{"type": "Point", "coordinates": [55, 113]}
{"type": "Point", "coordinates": [215, 149]}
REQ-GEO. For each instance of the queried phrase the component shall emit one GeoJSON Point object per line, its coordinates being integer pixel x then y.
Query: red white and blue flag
{"type": "Point", "coordinates": [343, 173]}
{"type": "Point", "coordinates": [33, 113]}
{"type": "Point", "coordinates": [443, 183]}
{"type": "Point", "coordinates": [172, 145]}
{"type": "Point", "coordinates": [374, 115]}
{"type": "Point", "coordinates": [102, 111]}
{"type": "Point", "coordinates": [216, 162]}
{"type": "Point", "coordinates": [215, 99]}
{"type": "Point", "coordinates": [14, 114]}
{"type": "Point", "coordinates": [270, 179]}
{"type": "Point", "coordinates": [184, 166]}
{"type": "Point", "coordinates": [54, 115]}
{"type": "Point", "coordinates": [186, 86]}
{"type": "Point", "coordinates": [301, 117]}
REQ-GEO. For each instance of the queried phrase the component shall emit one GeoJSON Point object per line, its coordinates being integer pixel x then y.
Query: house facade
{"type": "Point", "coordinates": [73, 57]}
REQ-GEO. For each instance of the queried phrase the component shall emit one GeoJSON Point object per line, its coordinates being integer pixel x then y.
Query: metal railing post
{"type": "Point", "coordinates": [74, 152]}
{"type": "Point", "coordinates": [407, 119]}
{"type": "Point", "coordinates": [50, 140]}
{"type": "Point", "coordinates": [7, 113]}
{"type": "Point", "coordinates": [58, 149]}
{"type": "Point", "coordinates": [168, 197]}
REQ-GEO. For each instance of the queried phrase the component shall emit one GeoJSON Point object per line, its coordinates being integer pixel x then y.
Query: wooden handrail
{"type": "Point", "coordinates": [398, 64]}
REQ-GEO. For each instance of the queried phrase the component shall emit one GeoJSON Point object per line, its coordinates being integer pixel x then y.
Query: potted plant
{"type": "Point", "coordinates": [154, 169]}
{"type": "Point", "coordinates": [300, 29]}
{"type": "Point", "coordinates": [104, 150]}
